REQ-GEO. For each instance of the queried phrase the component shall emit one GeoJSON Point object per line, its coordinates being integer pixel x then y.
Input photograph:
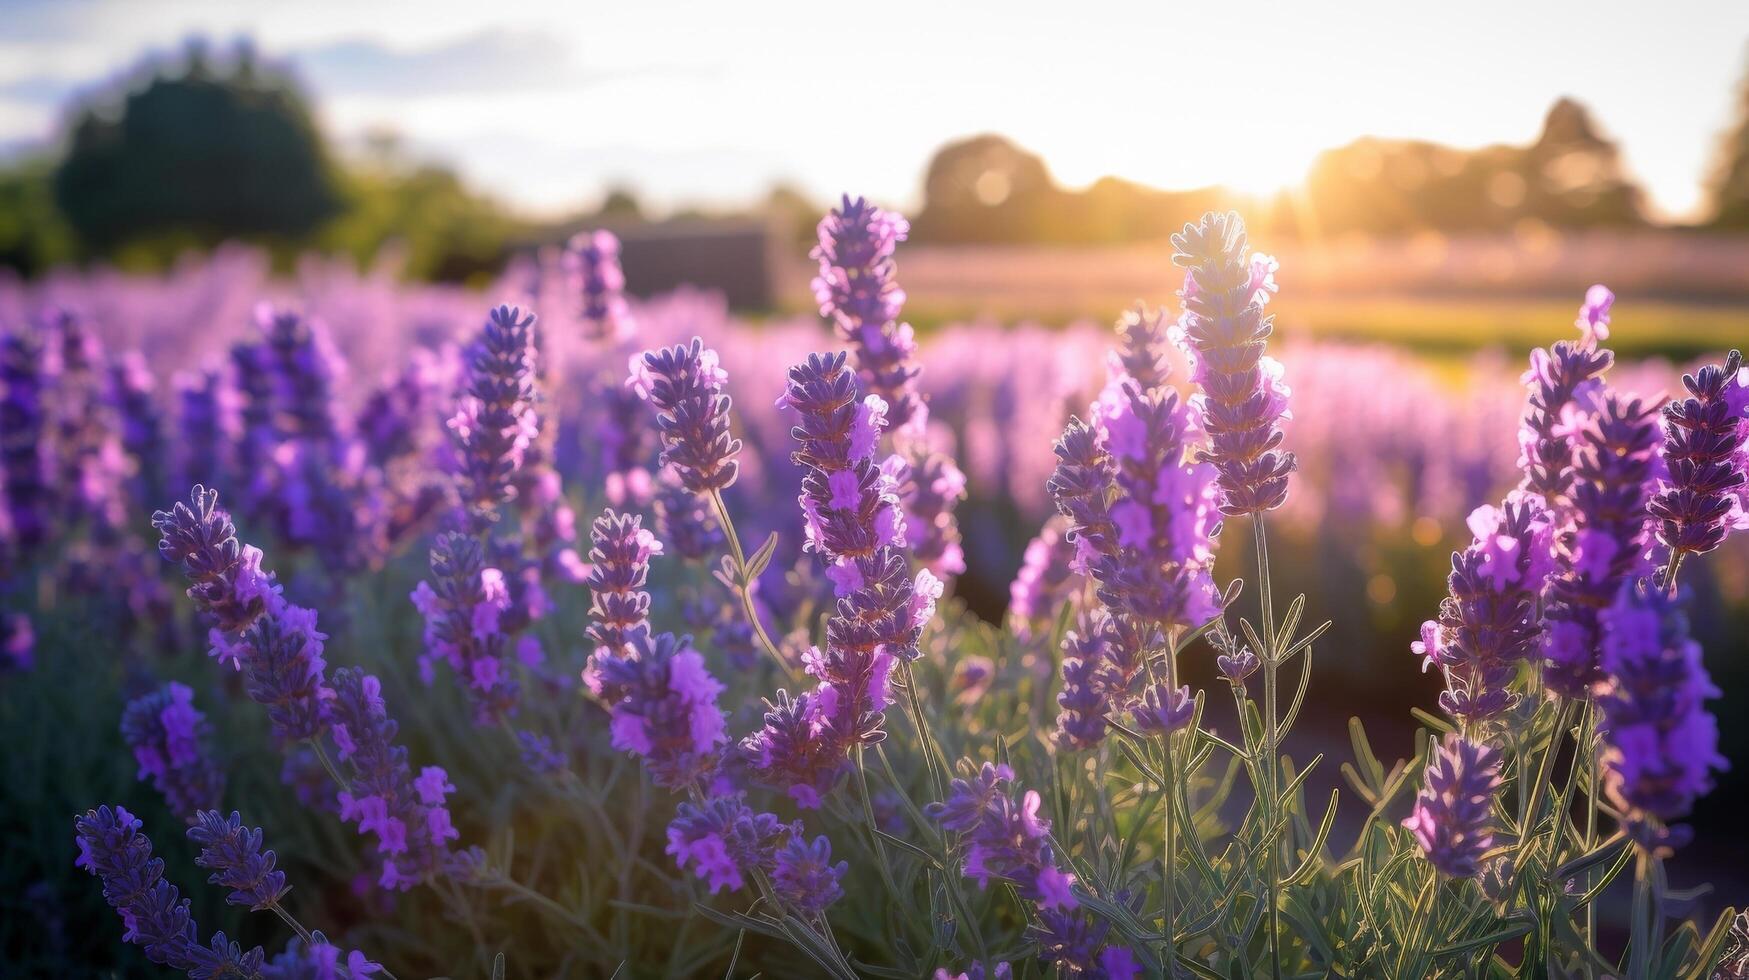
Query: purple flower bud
{"type": "Point", "coordinates": [684, 383]}
{"type": "Point", "coordinates": [1451, 819]}
{"type": "Point", "coordinates": [804, 876]}
{"type": "Point", "coordinates": [1243, 401]}
{"type": "Point", "coordinates": [591, 264]}
{"type": "Point", "coordinates": [1143, 341]}
{"type": "Point", "coordinates": [790, 751]}
{"type": "Point", "coordinates": [1085, 698]}
{"type": "Point", "coordinates": [1660, 743]}
{"type": "Point", "coordinates": [1704, 439]}
{"type": "Point", "coordinates": [234, 854]}
{"type": "Point", "coordinates": [930, 486]}
{"type": "Point", "coordinates": [319, 960]}
{"type": "Point", "coordinates": [975, 971]}
{"type": "Point", "coordinates": [17, 642]}
{"type": "Point", "coordinates": [723, 840]}
{"type": "Point", "coordinates": [1163, 710]}
{"type": "Point", "coordinates": [1075, 943]}
{"type": "Point", "coordinates": [166, 735]}
{"type": "Point", "coordinates": [857, 291]}
{"type": "Point", "coordinates": [1615, 470]}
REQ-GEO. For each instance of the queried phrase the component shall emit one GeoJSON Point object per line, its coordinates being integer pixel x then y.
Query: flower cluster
{"type": "Point", "coordinates": [1660, 744]}
{"type": "Point", "coordinates": [407, 813]}
{"type": "Point", "coordinates": [463, 615]}
{"type": "Point", "coordinates": [804, 876]}
{"type": "Point", "coordinates": [685, 386]}
{"type": "Point", "coordinates": [1005, 838]}
{"type": "Point", "coordinates": [619, 609]}
{"type": "Point", "coordinates": [1451, 820]}
{"type": "Point", "coordinates": [1706, 449]}
{"type": "Point", "coordinates": [685, 520]}
{"type": "Point", "coordinates": [1615, 470]}
{"type": "Point", "coordinates": [1078, 944]}
{"type": "Point", "coordinates": [24, 464]}
{"type": "Point", "coordinates": [664, 707]}
{"type": "Point", "coordinates": [724, 841]}
{"type": "Point", "coordinates": [592, 269]}
{"type": "Point", "coordinates": [1489, 624]}
{"type": "Point", "coordinates": [1224, 330]}
{"type": "Point", "coordinates": [166, 733]}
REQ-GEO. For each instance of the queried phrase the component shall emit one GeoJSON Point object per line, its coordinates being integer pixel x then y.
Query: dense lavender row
{"type": "Point", "coordinates": [794, 755]}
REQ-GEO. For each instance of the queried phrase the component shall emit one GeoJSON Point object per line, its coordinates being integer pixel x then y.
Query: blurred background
{"type": "Point", "coordinates": [1439, 192]}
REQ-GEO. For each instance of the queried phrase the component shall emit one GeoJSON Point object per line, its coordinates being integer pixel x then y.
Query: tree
{"type": "Point", "coordinates": [197, 154]}
{"type": "Point", "coordinates": [1728, 186]}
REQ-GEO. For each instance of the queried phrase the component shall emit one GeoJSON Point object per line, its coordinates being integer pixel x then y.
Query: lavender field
{"type": "Point", "coordinates": [355, 627]}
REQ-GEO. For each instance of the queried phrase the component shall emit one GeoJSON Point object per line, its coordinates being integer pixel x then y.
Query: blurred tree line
{"type": "Point", "coordinates": [189, 151]}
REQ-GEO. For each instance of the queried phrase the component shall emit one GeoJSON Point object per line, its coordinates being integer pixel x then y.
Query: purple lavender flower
{"type": "Point", "coordinates": [722, 840]}
{"type": "Point", "coordinates": [619, 566]}
{"type": "Point", "coordinates": [627, 446]}
{"type": "Point", "coordinates": [591, 263]}
{"type": "Point", "coordinates": [975, 971]}
{"type": "Point", "coordinates": [1149, 550]}
{"type": "Point", "coordinates": [1615, 470]}
{"type": "Point", "coordinates": [1005, 838]}
{"type": "Point", "coordinates": [805, 877]}
{"type": "Point", "coordinates": [1704, 437]}
{"type": "Point", "coordinates": [25, 464]}
{"type": "Point", "coordinates": [407, 814]}
{"type": "Point", "coordinates": [684, 384]}
{"type": "Point", "coordinates": [856, 290]}
{"type": "Point", "coordinates": [17, 642]}
{"type": "Point", "coordinates": [791, 752]}
{"type": "Point", "coordinates": [1163, 709]}
{"type": "Point", "coordinates": [234, 854]}
{"type": "Point", "coordinates": [88, 453]}
{"type": "Point", "coordinates": [1660, 744]}
{"type": "Point", "coordinates": [463, 614]}
{"type": "Point", "coordinates": [1488, 625]}
{"type": "Point", "coordinates": [667, 710]}
{"type": "Point", "coordinates": [1085, 700]}
{"type": "Point", "coordinates": [319, 960]}
{"type": "Point", "coordinates": [685, 520]}
{"type": "Point", "coordinates": [1451, 820]}
{"type": "Point", "coordinates": [1143, 340]}
{"type": "Point", "coordinates": [495, 420]}
{"type": "Point", "coordinates": [1561, 380]}
{"type": "Point", "coordinates": [1045, 580]}
{"type": "Point", "coordinates": [1243, 400]}
{"type": "Point", "coordinates": [155, 914]}
{"type": "Point", "coordinates": [166, 733]}
{"type": "Point", "coordinates": [539, 753]}
{"type": "Point", "coordinates": [274, 643]}
{"type": "Point", "coordinates": [1076, 944]}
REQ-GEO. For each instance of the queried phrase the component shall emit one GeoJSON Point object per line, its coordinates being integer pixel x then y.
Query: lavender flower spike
{"type": "Point", "coordinates": [684, 383]}
{"type": "Point", "coordinates": [857, 291]}
{"type": "Point", "coordinates": [805, 877]}
{"type": "Point", "coordinates": [166, 733]}
{"type": "Point", "coordinates": [723, 841]}
{"type": "Point", "coordinates": [1615, 471]}
{"type": "Point", "coordinates": [1224, 330]}
{"type": "Point", "coordinates": [1451, 820]}
{"type": "Point", "coordinates": [155, 914]}
{"type": "Point", "coordinates": [667, 710]}
{"type": "Point", "coordinates": [1660, 744]}
{"type": "Point", "coordinates": [1704, 440]}
{"type": "Point", "coordinates": [234, 854]}
{"type": "Point", "coordinates": [591, 264]}
{"type": "Point", "coordinates": [1045, 580]}
{"type": "Point", "coordinates": [495, 422]}
{"type": "Point", "coordinates": [1561, 379]}
{"type": "Point", "coordinates": [619, 609]}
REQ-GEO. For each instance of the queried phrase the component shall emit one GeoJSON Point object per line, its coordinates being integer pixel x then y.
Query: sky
{"type": "Point", "coordinates": [546, 105]}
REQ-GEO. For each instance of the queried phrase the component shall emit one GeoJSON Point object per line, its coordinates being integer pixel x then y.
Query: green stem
{"type": "Point", "coordinates": [1271, 761]}
{"type": "Point", "coordinates": [1641, 940]}
{"type": "Point", "coordinates": [744, 587]}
